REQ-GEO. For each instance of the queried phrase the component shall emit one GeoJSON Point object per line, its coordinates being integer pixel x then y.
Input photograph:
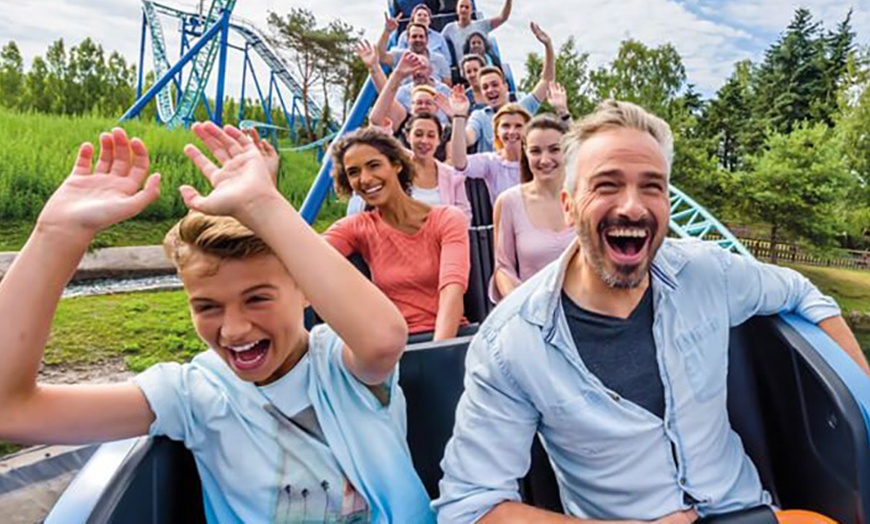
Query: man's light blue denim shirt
{"type": "Point", "coordinates": [612, 458]}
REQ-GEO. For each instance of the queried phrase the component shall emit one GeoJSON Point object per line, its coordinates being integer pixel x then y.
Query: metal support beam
{"type": "Point", "coordinates": [245, 63]}
{"type": "Point", "coordinates": [161, 82]}
{"type": "Point", "coordinates": [218, 116]}
{"type": "Point", "coordinates": [141, 57]}
{"type": "Point", "coordinates": [320, 188]}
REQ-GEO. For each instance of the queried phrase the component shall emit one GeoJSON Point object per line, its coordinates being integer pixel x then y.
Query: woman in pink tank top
{"type": "Point", "coordinates": [530, 229]}
{"type": "Point", "coordinates": [418, 254]}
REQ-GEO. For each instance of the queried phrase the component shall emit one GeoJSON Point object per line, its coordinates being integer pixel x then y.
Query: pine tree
{"type": "Point", "coordinates": [11, 75]}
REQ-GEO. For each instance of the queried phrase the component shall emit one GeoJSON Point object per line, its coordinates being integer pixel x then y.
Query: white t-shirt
{"type": "Point", "coordinates": [456, 36]}
{"type": "Point", "coordinates": [431, 196]}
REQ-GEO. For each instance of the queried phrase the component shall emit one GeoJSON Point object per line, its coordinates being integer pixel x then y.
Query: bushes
{"type": "Point", "coordinates": [37, 152]}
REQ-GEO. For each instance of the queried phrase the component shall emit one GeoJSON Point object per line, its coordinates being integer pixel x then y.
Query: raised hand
{"type": "Point", "coordinates": [458, 102]}
{"type": "Point", "coordinates": [408, 63]}
{"type": "Point", "coordinates": [240, 184]}
{"type": "Point", "coordinates": [367, 53]}
{"type": "Point", "coordinates": [92, 200]}
{"type": "Point", "coordinates": [558, 98]}
{"type": "Point", "coordinates": [442, 102]}
{"type": "Point", "coordinates": [540, 34]}
{"type": "Point", "coordinates": [273, 161]}
{"type": "Point", "coordinates": [390, 23]}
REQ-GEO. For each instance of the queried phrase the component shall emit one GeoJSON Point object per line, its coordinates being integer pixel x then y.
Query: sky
{"type": "Point", "coordinates": [711, 35]}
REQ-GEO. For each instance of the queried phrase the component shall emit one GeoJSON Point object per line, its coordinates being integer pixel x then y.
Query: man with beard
{"type": "Point", "coordinates": [418, 43]}
{"type": "Point", "coordinates": [616, 354]}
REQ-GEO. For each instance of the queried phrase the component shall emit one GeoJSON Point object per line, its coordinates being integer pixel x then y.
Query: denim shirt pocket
{"type": "Point", "coordinates": [706, 364]}
{"type": "Point", "coordinates": [576, 425]}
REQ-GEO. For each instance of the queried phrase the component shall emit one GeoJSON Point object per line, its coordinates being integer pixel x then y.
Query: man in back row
{"type": "Point", "coordinates": [494, 88]}
{"type": "Point", "coordinates": [456, 33]}
{"type": "Point", "coordinates": [617, 354]}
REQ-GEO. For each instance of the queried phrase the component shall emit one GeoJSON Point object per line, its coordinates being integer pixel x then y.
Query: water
{"type": "Point", "coordinates": [106, 286]}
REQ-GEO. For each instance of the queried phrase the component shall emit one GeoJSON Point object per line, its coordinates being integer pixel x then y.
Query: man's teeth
{"type": "Point", "coordinates": [244, 347]}
{"type": "Point", "coordinates": [627, 232]}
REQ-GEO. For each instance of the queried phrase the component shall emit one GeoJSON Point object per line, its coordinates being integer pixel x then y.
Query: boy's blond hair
{"type": "Point", "coordinates": [610, 115]}
{"type": "Point", "coordinates": [219, 236]}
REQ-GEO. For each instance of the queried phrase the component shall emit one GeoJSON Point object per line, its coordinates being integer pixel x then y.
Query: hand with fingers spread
{"type": "Point", "coordinates": [390, 23]}
{"type": "Point", "coordinates": [240, 184]}
{"type": "Point", "coordinates": [409, 63]}
{"type": "Point", "coordinates": [93, 199]}
{"type": "Point", "coordinates": [459, 104]}
{"type": "Point", "coordinates": [540, 34]}
{"type": "Point", "coordinates": [558, 98]}
{"type": "Point", "coordinates": [442, 102]}
{"type": "Point", "coordinates": [367, 53]}
{"type": "Point", "coordinates": [273, 161]}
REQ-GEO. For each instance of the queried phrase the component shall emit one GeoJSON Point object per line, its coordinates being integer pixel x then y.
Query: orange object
{"type": "Point", "coordinates": [800, 516]}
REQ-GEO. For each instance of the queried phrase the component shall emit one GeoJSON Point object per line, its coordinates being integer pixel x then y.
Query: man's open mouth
{"type": "Point", "coordinates": [249, 356]}
{"type": "Point", "coordinates": [627, 245]}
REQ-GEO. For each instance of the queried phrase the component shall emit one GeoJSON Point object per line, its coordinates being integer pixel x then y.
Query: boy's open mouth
{"type": "Point", "coordinates": [249, 356]}
{"type": "Point", "coordinates": [626, 245]}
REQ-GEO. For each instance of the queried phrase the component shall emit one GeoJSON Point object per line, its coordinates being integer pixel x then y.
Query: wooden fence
{"type": "Point", "coordinates": [786, 252]}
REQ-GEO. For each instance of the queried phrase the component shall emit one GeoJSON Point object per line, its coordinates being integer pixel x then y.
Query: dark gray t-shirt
{"type": "Point", "coordinates": [620, 352]}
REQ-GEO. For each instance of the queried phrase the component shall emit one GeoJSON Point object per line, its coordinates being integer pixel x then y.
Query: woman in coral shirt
{"type": "Point", "coordinates": [418, 254]}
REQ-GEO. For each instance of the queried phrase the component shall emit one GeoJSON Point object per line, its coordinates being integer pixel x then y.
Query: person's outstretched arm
{"type": "Point", "coordinates": [386, 106]}
{"type": "Point", "coordinates": [369, 57]}
{"type": "Point", "coordinates": [549, 73]}
{"type": "Point", "coordinates": [453, 273]}
{"type": "Point", "coordinates": [502, 17]}
{"type": "Point", "coordinates": [459, 110]}
{"type": "Point", "coordinates": [371, 327]}
{"type": "Point", "coordinates": [390, 25]}
{"type": "Point", "coordinates": [87, 201]}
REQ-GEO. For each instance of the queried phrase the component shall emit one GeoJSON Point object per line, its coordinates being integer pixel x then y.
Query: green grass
{"type": "Point", "coordinates": [37, 152]}
{"type": "Point", "coordinates": [142, 328]}
{"type": "Point", "coordinates": [851, 289]}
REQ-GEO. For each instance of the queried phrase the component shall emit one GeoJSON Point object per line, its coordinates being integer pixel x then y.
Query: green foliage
{"type": "Point", "coordinates": [572, 71]}
{"type": "Point", "coordinates": [798, 185]}
{"type": "Point", "coordinates": [38, 152]}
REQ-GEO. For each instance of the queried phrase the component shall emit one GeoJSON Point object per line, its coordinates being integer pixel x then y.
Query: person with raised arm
{"type": "Point", "coordinates": [500, 169]}
{"type": "Point", "coordinates": [479, 130]}
{"type": "Point", "coordinates": [281, 422]}
{"type": "Point", "coordinates": [456, 33]}
{"type": "Point", "coordinates": [418, 254]}
{"type": "Point", "coordinates": [418, 43]}
{"type": "Point", "coordinates": [422, 14]}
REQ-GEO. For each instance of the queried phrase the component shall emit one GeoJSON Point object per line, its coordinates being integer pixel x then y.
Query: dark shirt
{"type": "Point", "coordinates": [620, 352]}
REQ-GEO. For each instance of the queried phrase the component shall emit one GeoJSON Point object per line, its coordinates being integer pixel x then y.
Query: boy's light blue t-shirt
{"type": "Point", "coordinates": [314, 444]}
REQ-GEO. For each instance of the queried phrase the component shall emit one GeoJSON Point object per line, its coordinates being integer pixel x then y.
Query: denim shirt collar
{"type": "Point", "coordinates": [542, 306]}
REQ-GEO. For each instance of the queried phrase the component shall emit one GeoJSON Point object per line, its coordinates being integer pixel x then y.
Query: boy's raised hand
{"type": "Point", "coordinates": [242, 181]}
{"type": "Point", "coordinates": [91, 200]}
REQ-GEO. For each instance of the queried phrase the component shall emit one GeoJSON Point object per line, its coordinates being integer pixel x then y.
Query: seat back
{"type": "Point", "coordinates": [431, 375]}
{"type": "Point", "coordinates": [481, 205]}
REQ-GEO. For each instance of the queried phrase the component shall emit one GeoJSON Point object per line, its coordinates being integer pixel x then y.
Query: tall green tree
{"type": "Point", "coordinates": [652, 77]}
{"type": "Point", "coordinates": [56, 81]}
{"type": "Point", "coordinates": [725, 120]}
{"type": "Point", "coordinates": [572, 71]}
{"type": "Point", "coordinates": [319, 53]}
{"type": "Point", "coordinates": [11, 75]}
{"type": "Point", "coordinates": [36, 96]}
{"type": "Point", "coordinates": [798, 185]}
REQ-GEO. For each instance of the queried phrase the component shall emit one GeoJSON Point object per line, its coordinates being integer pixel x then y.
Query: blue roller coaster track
{"type": "Point", "coordinates": [176, 101]}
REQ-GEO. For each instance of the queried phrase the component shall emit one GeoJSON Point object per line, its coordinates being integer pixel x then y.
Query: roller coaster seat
{"type": "Point", "coordinates": [798, 422]}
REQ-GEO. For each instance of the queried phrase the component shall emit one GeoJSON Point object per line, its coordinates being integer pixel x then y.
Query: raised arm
{"type": "Point", "coordinates": [87, 202]}
{"type": "Point", "coordinates": [502, 17]}
{"type": "Point", "coordinates": [241, 188]}
{"type": "Point", "coordinates": [459, 111]}
{"type": "Point", "coordinates": [386, 106]}
{"type": "Point", "coordinates": [390, 25]}
{"type": "Point", "coordinates": [369, 57]}
{"type": "Point", "coordinates": [549, 73]}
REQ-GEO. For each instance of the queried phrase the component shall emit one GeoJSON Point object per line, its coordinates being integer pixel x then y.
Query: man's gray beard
{"type": "Point", "coordinates": [619, 280]}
